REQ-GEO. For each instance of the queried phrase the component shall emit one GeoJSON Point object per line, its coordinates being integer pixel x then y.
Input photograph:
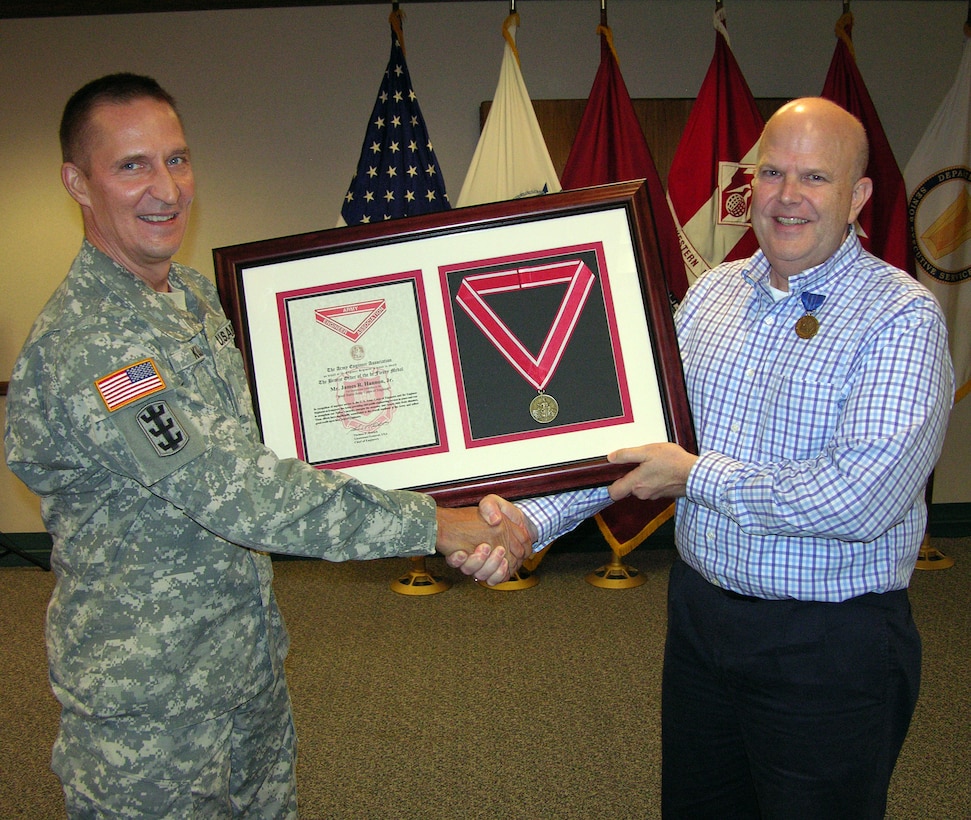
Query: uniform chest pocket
{"type": "Point", "coordinates": [797, 419]}
{"type": "Point", "coordinates": [199, 374]}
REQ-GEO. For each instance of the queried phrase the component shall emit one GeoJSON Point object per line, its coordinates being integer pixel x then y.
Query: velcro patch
{"type": "Point", "coordinates": [129, 384]}
{"type": "Point", "coordinates": [162, 428]}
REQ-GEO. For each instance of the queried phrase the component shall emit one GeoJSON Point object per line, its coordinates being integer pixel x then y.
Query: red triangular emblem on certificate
{"type": "Point", "coordinates": [536, 369]}
{"type": "Point", "coordinates": [351, 321]}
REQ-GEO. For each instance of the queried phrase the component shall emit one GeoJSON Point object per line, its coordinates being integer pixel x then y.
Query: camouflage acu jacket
{"type": "Point", "coordinates": [131, 418]}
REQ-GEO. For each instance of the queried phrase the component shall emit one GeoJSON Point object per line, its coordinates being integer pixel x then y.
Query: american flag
{"type": "Point", "coordinates": [398, 173]}
{"type": "Point", "coordinates": [130, 384]}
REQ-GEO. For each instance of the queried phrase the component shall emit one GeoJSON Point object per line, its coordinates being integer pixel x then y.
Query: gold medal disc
{"type": "Point", "coordinates": [543, 408]}
{"type": "Point", "coordinates": [807, 326]}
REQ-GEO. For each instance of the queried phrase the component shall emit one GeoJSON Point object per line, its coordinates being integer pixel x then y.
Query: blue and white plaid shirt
{"type": "Point", "coordinates": [814, 452]}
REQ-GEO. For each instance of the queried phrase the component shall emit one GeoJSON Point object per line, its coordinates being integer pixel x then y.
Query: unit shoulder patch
{"type": "Point", "coordinates": [166, 435]}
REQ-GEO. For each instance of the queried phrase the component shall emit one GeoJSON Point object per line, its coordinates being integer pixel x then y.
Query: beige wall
{"type": "Point", "coordinates": [276, 102]}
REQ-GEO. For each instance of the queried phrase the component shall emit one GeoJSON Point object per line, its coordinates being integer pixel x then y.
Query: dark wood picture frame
{"type": "Point", "coordinates": [248, 277]}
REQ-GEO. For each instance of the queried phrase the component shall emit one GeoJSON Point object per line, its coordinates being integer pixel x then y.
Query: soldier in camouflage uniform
{"type": "Point", "coordinates": [129, 414]}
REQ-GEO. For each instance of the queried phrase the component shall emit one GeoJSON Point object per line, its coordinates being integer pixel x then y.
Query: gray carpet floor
{"type": "Point", "coordinates": [476, 703]}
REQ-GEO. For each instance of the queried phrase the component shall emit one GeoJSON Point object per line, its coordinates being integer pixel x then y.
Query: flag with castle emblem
{"type": "Point", "coordinates": [710, 181]}
{"type": "Point", "coordinates": [938, 178]}
{"type": "Point", "coordinates": [398, 173]}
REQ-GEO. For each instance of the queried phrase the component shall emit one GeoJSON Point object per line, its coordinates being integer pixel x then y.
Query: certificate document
{"type": "Point", "coordinates": [361, 387]}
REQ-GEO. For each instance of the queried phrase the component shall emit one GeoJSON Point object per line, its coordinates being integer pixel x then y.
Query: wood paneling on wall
{"type": "Point", "coordinates": [662, 121]}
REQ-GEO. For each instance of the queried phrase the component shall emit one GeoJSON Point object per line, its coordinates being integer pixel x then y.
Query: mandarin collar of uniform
{"type": "Point", "coordinates": [815, 280]}
{"type": "Point", "coordinates": [163, 313]}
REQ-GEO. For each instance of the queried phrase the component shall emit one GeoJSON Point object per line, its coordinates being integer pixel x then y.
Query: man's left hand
{"type": "Point", "coordinates": [661, 471]}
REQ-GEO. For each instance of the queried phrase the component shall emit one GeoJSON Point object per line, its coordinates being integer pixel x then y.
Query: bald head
{"type": "Point", "coordinates": [819, 119]}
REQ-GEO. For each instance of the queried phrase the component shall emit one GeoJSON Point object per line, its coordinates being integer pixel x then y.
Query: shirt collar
{"type": "Point", "coordinates": [756, 269]}
{"type": "Point", "coordinates": [165, 315]}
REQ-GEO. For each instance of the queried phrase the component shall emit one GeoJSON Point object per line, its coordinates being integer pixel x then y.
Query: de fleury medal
{"type": "Point", "coordinates": [539, 369]}
{"type": "Point", "coordinates": [808, 325]}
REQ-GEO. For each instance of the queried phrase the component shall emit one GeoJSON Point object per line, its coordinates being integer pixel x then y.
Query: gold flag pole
{"type": "Point", "coordinates": [418, 580]}
{"type": "Point", "coordinates": [615, 575]}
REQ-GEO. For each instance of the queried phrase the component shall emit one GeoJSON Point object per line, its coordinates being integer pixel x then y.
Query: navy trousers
{"type": "Point", "coordinates": [783, 709]}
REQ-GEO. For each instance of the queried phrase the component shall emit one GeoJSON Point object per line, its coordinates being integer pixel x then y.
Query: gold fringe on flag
{"type": "Point", "coordinates": [623, 548]}
{"type": "Point", "coordinates": [396, 18]}
{"type": "Point", "coordinates": [609, 35]}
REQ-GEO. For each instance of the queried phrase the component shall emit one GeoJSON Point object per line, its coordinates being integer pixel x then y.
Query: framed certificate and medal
{"type": "Point", "coordinates": [501, 348]}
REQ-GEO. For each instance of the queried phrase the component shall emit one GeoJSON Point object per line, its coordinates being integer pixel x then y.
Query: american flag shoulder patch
{"type": "Point", "coordinates": [129, 384]}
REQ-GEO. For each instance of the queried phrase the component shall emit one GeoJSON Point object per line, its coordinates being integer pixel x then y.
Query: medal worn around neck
{"type": "Point", "coordinates": [808, 325]}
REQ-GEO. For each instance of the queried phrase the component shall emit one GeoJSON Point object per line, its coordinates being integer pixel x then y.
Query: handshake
{"type": "Point", "coordinates": [489, 542]}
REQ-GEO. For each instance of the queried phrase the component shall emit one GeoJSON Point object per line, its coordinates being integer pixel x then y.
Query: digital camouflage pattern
{"type": "Point", "coordinates": [121, 769]}
{"type": "Point", "coordinates": [161, 509]}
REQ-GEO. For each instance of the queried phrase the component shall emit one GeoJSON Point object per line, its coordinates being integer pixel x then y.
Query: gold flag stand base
{"type": "Point", "coordinates": [523, 579]}
{"type": "Point", "coordinates": [419, 581]}
{"type": "Point", "coordinates": [932, 558]}
{"type": "Point", "coordinates": [615, 575]}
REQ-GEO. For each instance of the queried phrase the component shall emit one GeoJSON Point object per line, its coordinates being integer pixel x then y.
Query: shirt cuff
{"type": "Point", "coordinates": [555, 515]}
{"type": "Point", "coordinates": [708, 481]}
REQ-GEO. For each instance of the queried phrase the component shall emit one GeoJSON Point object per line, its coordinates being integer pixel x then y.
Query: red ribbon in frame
{"type": "Point", "coordinates": [537, 370]}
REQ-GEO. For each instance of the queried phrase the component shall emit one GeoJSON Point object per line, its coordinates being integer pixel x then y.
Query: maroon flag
{"type": "Point", "coordinates": [610, 147]}
{"type": "Point", "coordinates": [710, 182]}
{"type": "Point", "coordinates": [883, 222]}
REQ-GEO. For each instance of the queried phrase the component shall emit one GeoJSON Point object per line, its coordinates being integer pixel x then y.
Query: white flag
{"type": "Point", "coordinates": [511, 159]}
{"type": "Point", "coordinates": [938, 179]}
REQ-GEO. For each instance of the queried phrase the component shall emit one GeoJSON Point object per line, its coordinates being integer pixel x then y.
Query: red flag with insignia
{"type": "Point", "coordinates": [883, 223]}
{"type": "Point", "coordinates": [710, 181]}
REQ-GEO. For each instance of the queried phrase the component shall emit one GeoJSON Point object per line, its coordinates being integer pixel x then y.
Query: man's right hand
{"type": "Point", "coordinates": [489, 542]}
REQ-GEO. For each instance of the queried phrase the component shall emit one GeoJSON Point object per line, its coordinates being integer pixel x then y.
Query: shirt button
{"type": "Point", "coordinates": [750, 373]}
{"type": "Point", "coordinates": [736, 427]}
